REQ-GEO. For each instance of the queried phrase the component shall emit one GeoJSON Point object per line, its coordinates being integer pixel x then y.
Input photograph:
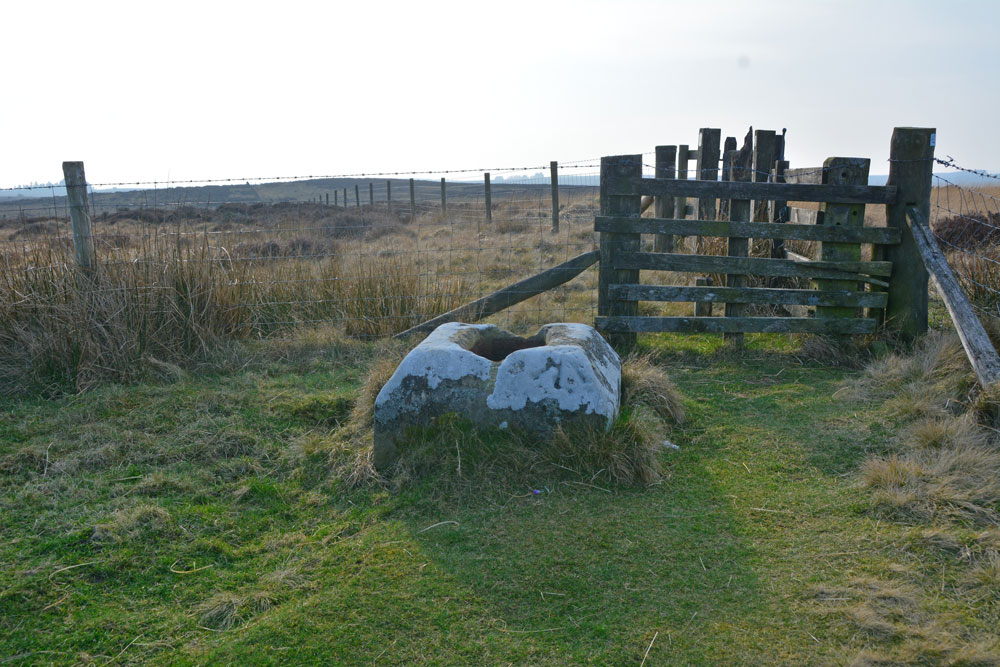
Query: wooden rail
{"type": "Point", "coordinates": [838, 194]}
{"type": "Point", "coordinates": [770, 295]}
{"type": "Point", "coordinates": [976, 342]}
{"type": "Point", "coordinates": [736, 325]}
{"type": "Point", "coordinates": [758, 230]}
{"type": "Point", "coordinates": [750, 266]}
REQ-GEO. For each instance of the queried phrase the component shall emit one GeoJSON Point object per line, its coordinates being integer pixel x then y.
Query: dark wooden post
{"type": "Point", "coordinates": [708, 167]}
{"type": "Point", "coordinates": [842, 171]}
{"type": "Point", "coordinates": [345, 197]}
{"type": "Point", "coordinates": [703, 308]}
{"type": "Point", "coordinates": [728, 149]}
{"type": "Point", "coordinates": [79, 213]}
{"type": "Point", "coordinates": [663, 207]}
{"type": "Point", "coordinates": [779, 212]}
{"type": "Point", "coordinates": [388, 197]}
{"type": "Point", "coordinates": [911, 163]}
{"type": "Point", "coordinates": [489, 197]}
{"type": "Point", "coordinates": [611, 243]}
{"type": "Point", "coordinates": [741, 169]}
{"type": "Point", "coordinates": [680, 203]}
{"type": "Point", "coordinates": [554, 181]}
{"type": "Point", "coordinates": [357, 196]}
{"type": "Point", "coordinates": [327, 198]}
{"type": "Point", "coordinates": [413, 202]}
{"type": "Point", "coordinates": [336, 197]}
{"type": "Point", "coordinates": [371, 193]}
{"type": "Point", "coordinates": [763, 161]}
{"type": "Point", "coordinates": [444, 200]}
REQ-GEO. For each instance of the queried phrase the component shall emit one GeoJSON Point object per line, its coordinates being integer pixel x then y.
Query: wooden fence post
{"type": "Point", "coordinates": [763, 161]}
{"type": "Point", "coordinates": [371, 193]}
{"type": "Point", "coordinates": [663, 207]}
{"type": "Point", "coordinates": [388, 197]}
{"type": "Point", "coordinates": [680, 203]}
{"type": "Point", "coordinates": [345, 197]}
{"type": "Point", "coordinates": [741, 169]}
{"type": "Point", "coordinates": [444, 200]}
{"type": "Point", "coordinates": [703, 308]}
{"type": "Point", "coordinates": [357, 196]}
{"type": "Point", "coordinates": [413, 202]}
{"type": "Point", "coordinates": [554, 182]}
{"type": "Point", "coordinates": [779, 212]}
{"type": "Point", "coordinates": [842, 171]}
{"type": "Point", "coordinates": [336, 197]}
{"type": "Point", "coordinates": [911, 164]}
{"type": "Point", "coordinates": [79, 213]}
{"type": "Point", "coordinates": [611, 244]}
{"type": "Point", "coordinates": [727, 151]}
{"type": "Point", "coordinates": [708, 167]}
{"type": "Point", "coordinates": [489, 197]}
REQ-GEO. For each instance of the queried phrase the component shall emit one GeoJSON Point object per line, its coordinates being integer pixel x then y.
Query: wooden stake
{"type": "Point", "coordinates": [76, 195]}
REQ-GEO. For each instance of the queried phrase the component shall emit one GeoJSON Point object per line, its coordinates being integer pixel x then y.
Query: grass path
{"type": "Point", "coordinates": [194, 523]}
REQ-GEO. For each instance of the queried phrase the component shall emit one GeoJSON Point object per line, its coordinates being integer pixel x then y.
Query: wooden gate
{"type": "Point", "coordinates": [849, 294]}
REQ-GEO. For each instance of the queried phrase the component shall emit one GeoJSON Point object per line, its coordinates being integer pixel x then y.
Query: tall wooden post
{"type": "Point", "coordinates": [728, 149]}
{"type": "Point", "coordinates": [554, 180]}
{"type": "Point", "coordinates": [663, 207]}
{"type": "Point", "coordinates": [680, 203]}
{"type": "Point", "coordinates": [327, 198]}
{"type": "Point", "coordinates": [388, 197]}
{"type": "Point", "coordinates": [708, 167]}
{"type": "Point", "coordinates": [611, 244]}
{"type": "Point", "coordinates": [79, 213]}
{"type": "Point", "coordinates": [336, 197]}
{"type": "Point", "coordinates": [371, 193]}
{"type": "Point", "coordinates": [345, 197]}
{"type": "Point", "coordinates": [489, 197]}
{"type": "Point", "coordinates": [763, 161]}
{"type": "Point", "coordinates": [413, 202]}
{"type": "Point", "coordinates": [444, 200]}
{"type": "Point", "coordinates": [779, 212]}
{"type": "Point", "coordinates": [357, 196]}
{"type": "Point", "coordinates": [739, 211]}
{"type": "Point", "coordinates": [911, 164]}
{"type": "Point", "coordinates": [842, 171]}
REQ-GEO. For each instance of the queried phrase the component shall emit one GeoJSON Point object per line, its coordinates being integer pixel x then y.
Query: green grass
{"type": "Point", "coordinates": [200, 522]}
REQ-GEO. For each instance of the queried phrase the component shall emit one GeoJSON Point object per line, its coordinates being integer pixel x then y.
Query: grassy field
{"type": "Point", "coordinates": [205, 518]}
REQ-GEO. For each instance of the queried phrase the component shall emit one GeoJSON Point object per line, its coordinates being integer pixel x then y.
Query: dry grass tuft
{"type": "Point", "coordinates": [142, 521]}
{"type": "Point", "coordinates": [645, 382]}
{"type": "Point", "coordinates": [223, 611]}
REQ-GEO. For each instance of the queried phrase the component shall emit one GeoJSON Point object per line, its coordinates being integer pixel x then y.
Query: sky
{"type": "Point", "coordinates": [144, 91]}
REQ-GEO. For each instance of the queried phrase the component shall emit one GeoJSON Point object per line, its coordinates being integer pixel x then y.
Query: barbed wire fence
{"type": "Point", "coordinates": [965, 220]}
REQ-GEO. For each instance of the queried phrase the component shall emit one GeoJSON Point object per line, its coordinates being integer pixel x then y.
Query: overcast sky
{"type": "Point", "coordinates": [185, 90]}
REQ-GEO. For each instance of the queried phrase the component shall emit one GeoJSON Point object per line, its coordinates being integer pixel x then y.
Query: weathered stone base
{"type": "Point", "coordinates": [566, 373]}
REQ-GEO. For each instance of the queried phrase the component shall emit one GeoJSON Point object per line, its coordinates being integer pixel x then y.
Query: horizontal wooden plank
{"type": "Point", "coordinates": [807, 175]}
{"type": "Point", "coordinates": [756, 230]}
{"type": "Point", "coordinates": [747, 266]}
{"type": "Point", "coordinates": [782, 297]}
{"type": "Point", "coordinates": [807, 216]}
{"type": "Point", "coordinates": [840, 194]}
{"type": "Point", "coordinates": [814, 325]}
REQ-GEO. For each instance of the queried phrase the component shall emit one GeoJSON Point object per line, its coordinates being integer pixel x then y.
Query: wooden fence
{"type": "Point", "coordinates": [850, 295]}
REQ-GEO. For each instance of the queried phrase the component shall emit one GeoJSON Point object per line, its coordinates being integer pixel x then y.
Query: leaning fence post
{"type": "Point", "coordinates": [663, 207]}
{"type": "Point", "coordinates": [612, 244]}
{"type": "Point", "coordinates": [911, 165]}
{"type": "Point", "coordinates": [554, 180]}
{"type": "Point", "coordinates": [76, 195]}
{"type": "Point", "coordinates": [489, 197]}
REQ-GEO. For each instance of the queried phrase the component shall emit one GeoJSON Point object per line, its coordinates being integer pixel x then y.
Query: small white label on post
{"type": "Point", "coordinates": [933, 139]}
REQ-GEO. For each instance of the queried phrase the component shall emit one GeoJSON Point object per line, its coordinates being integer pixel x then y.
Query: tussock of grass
{"type": "Point", "coordinates": [144, 521]}
{"type": "Point", "coordinates": [224, 611]}
{"type": "Point", "coordinates": [643, 381]}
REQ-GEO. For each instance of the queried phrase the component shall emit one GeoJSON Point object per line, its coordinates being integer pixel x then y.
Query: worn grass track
{"type": "Point", "coordinates": [199, 522]}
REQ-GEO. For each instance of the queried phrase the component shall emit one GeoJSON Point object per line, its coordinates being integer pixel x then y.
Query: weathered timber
{"type": "Point", "coordinates": [413, 202]}
{"type": "Point", "coordinates": [975, 340]}
{"type": "Point", "coordinates": [805, 176]}
{"type": "Point", "coordinates": [708, 167]}
{"type": "Point", "coordinates": [444, 199]}
{"type": "Point", "coordinates": [764, 151]}
{"type": "Point", "coordinates": [727, 150]}
{"type": "Point", "coordinates": [759, 230]}
{"type": "Point", "coordinates": [737, 247]}
{"type": "Point", "coordinates": [357, 195]}
{"type": "Point", "coordinates": [554, 187]}
{"type": "Point", "coordinates": [489, 197]}
{"type": "Point", "coordinates": [779, 208]}
{"type": "Point", "coordinates": [388, 196]}
{"type": "Point", "coordinates": [735, 325]}
{"type": "Point", "coordinates": [804, 216]}
{"type": "Point", "coordinates": [741, 265]}
{"type": "Point", "coordinates": [613, 244]}
{"type": "Point", "coordinates": [838, 194]}
{"type": "Point", "coordinates": [842, 171]}
{"type": "Point", "coordinates": [79, 213]}
{"type": "Point", "coordinates": [513, 294]}
{"type": "Point", "coordinates": [702, 307]}
{"type": "Point", "coordinates": [680, 203]}
{"type": "Point", "coordinates": [666, 157]}
{"type": "Point", "coordinates": [911, 160]}
{"type": "Point", "coordinates": [371, 194]}
{"type": "Point", "coordinates": [770, 295]}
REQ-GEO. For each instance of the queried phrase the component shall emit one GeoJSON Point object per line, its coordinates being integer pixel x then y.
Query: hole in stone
{"type": "Point", "coordinates": [497, 349]}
